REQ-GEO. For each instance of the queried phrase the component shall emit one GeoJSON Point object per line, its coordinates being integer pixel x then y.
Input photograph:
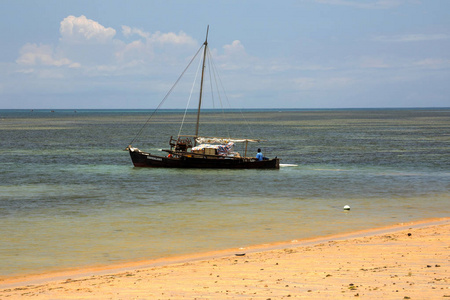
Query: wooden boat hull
{"type": "Point", "coordinates": [143, 159]}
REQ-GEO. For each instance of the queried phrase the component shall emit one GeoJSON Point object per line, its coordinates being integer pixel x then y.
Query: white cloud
{"type": "Point", "coordinates": [79, 39]}
{"type": "Point", "coordinates": [371, 4]}
{"type": "Point", "coordinates": [25, 71]}
{"type": "Point", "coordinates": [75, 65]}
{"type": "Point", "coordinates": [304, 83]}
{"type": "Point", "coordinates": [172, 38]}
{"type": "Point", "coordinates": [32, 54]}
{"type": "Point", "coordinates": [128, 32]}
{"type": "Point", "coordinates": [153, 48]}
{"type": "Point", "coordinates": [373, 63]}
{"type": "Point", "coordinates": [95, 50]}
{"type": "Point", "coordinates": [235, 48]}
{"type": "Point", "coordinates": [88, 55]}
{"type": "Point", "coordinates": [235, 57]}
{"type": "Point", "coordinates": [411, 38]}
{"type": "Point", "coordinates": [136, 50]}
{"type": "Point", "coordinates": [317, 83]}
{"type": "Point", "coordinates": [81, 29]}
{"type": "Point", "coordinates": [432, 63]}
{"type": "Point", "coordinates": [159, 38]}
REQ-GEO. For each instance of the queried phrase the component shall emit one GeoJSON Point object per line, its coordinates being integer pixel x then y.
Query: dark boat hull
{"type": "Point", "coordinates": [143, 159]}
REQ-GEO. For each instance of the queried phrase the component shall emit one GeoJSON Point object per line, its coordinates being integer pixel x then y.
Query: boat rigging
{"type": "Point", "coordinates": [195, 151]}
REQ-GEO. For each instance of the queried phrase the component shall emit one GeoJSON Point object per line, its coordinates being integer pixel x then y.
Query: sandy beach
{"type": "Point", "coordinates": [405, 261]}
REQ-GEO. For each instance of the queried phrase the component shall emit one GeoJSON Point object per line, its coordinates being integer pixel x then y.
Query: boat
{"type": "Point", "coordinates": [195, 151]}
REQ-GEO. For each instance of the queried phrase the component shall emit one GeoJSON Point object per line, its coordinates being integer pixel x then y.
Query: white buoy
{"type": "Point", "coordinates": [346, 207]}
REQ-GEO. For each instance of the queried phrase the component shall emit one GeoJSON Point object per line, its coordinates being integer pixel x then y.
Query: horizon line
{"type": "Point", "coordinates": [236, 108]}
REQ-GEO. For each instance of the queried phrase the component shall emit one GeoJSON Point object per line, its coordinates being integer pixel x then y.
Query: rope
{"type": "Point", "coordinates": [217, 75]}
{"type": "Point", "coordinates": [219, 80]}
{"type": "Point", "coordinates": [214, 71]}
{"type": "Point", "coordinates": [190, 96]}
{"type": "Point", "coordinates": [210, 79]}
{"type": "Point", "coordinates": [165, 97]}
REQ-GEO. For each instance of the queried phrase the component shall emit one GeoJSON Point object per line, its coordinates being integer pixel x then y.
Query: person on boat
{"type": "Point", "coordinates": [259, 155]}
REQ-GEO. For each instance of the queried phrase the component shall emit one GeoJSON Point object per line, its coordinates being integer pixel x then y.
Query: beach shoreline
{"type": "Point", "coordinates": [256, 256]}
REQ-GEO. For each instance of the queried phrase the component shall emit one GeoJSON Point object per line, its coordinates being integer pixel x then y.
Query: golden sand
{"type": "Point", "coordinates": [407, 261]}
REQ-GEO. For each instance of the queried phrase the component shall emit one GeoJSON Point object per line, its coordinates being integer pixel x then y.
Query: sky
{"type": "Point", "coordinates": [270, 54]}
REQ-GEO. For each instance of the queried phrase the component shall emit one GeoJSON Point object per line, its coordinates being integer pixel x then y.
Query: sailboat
{"type": "Point", "coordinates": [195, 151]}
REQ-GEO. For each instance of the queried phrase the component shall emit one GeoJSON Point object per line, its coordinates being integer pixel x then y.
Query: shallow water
{"type": "Point", "coordinates": [71, 197]}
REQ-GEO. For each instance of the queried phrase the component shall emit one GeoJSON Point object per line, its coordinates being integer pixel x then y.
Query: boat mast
{"type": "Point", "coordinates": [201, 85]}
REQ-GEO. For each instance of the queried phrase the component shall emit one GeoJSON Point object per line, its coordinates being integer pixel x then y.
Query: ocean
{"type": "Point", "coordinates": [70, 197]}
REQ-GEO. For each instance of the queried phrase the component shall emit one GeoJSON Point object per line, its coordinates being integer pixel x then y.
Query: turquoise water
{"type": "Point", "coordinates": [70, 197]}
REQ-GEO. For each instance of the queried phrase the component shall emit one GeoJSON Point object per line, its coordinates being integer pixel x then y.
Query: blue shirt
{"type": "Point", "coordinates": [259, 156]}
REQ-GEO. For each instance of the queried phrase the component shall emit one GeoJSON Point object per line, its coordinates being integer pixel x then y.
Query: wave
{"type": "Point", "coordinates": [288, 165]}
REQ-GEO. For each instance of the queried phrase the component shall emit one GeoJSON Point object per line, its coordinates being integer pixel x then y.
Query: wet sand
{"type": "Point", "coordinates": [406, 261]}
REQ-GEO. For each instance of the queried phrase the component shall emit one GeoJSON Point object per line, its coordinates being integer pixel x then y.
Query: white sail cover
{"type": "Point", "coordinates": [215, 140]}
{"type": "Point", "coordinates": [223, 149]}
{"type": "Point", "coordinates": [205, 146]}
